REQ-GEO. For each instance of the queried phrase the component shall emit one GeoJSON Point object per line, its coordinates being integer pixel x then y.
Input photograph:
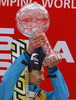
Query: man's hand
{"type": "Point", "coordinates": [36, 42]}
{"type": "Point", "coordinates": [54, 59]}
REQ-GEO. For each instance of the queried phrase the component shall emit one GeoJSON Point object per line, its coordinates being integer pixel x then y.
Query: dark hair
{"type": "Point", "coordinates": [29, 68]}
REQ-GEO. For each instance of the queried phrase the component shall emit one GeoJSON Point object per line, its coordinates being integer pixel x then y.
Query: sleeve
{"type": "Point", "coordinates": [12, 75]}
{"type": "Point", "coordinates": [60, 88]}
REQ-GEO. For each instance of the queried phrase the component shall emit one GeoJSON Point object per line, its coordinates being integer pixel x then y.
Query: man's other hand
{"type": "Point", "coordinates": [54, 59]}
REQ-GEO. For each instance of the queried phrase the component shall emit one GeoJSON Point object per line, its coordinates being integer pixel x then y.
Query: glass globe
{"type": "Point", "coordinates": [32, 18]}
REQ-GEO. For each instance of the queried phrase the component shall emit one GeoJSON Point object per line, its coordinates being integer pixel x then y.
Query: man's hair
{"type": "Point", "coordinates": [29, 68]}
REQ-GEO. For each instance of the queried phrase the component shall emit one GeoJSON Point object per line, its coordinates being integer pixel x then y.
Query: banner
{"type": "Point", "coordinates": [61, 35]}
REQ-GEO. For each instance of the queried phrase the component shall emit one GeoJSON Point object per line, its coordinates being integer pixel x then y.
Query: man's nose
{"type": "Point", "coordinates": [42, 77]}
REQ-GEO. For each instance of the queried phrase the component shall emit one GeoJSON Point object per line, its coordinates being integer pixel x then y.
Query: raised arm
{"type": "Point", "coordinates": [13, 73]}
{"type": "Point", "coordinates": [60, 88]}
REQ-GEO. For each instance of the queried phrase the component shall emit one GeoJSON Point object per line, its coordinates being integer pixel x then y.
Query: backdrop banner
{"type": "Point", "coordinates": [61, 35]}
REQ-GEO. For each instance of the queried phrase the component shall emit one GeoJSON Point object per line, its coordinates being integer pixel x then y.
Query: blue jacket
{"type": "Point", "coordinates": [13, 73]}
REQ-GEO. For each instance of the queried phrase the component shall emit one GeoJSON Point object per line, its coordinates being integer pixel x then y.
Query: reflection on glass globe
{"type": "Point", "coordinates": [32, 18]}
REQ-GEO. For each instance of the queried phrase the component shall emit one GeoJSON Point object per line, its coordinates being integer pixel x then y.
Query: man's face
{"type": "Point", "coordinates": [36, 77]}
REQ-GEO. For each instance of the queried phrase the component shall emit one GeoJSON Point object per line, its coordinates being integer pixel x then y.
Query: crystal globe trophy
{"type": "Point", "coordinates": [34, 19]}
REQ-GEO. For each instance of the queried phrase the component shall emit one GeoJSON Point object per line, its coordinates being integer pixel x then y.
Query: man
{"type": "Point", "coordinates": [34, 57]}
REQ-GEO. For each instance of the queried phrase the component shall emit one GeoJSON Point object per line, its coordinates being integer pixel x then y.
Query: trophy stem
{"type": "Point", "coordinates": [48, 50]}
{"type": "Point", "coordinates": [47, 47]}
{"type": "Point", "coordinates": [50, 54]}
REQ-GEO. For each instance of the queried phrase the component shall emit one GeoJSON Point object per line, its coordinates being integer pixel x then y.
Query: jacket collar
{"type": "Point", "coordinates": [32, 87]}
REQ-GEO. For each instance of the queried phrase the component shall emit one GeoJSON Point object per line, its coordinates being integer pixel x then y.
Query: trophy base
{"type": "Point", "coordinates": [51, 58]}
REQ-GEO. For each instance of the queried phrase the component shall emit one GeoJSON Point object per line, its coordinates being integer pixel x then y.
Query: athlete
{"type": "Point", "coordinates": [33, 57]}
